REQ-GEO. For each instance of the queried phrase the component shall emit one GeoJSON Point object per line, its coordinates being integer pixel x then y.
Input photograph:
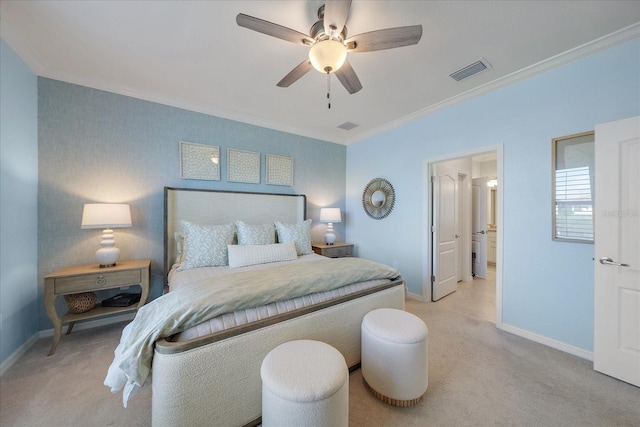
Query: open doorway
{"type": "Point", "coordinates": [452, 224]}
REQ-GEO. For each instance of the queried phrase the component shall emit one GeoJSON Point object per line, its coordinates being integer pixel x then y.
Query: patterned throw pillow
{"type": "Point", "coordinates": [205, 245]}
{"type": "Point", "coordinates": [249, 234]}
{"type": "Point", "coordinates": [299, 233]}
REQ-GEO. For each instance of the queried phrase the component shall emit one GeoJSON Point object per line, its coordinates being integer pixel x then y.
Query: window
{"type": "Point", "coordinates": [572, 187]}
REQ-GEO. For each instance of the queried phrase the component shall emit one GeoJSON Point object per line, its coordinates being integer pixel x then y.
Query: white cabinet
{"type": "Point", "coordinates": [491, 246]}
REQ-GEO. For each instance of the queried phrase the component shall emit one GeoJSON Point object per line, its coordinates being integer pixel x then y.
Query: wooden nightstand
{"type": "Point", "coordinates": [89, 278]}
{"type": "Point", "coordinates": [337, 250]}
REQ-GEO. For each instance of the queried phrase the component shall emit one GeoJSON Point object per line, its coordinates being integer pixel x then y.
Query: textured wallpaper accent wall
{"type": "Point", "coordinates": [96, 146]}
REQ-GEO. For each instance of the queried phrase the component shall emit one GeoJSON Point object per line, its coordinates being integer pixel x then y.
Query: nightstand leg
{"type": "Point", "coordinates": [70, 327]}
{"type": "Point", "coordinates": [57, 331]}
{"type": "Point", "coordinates": [50, 306]}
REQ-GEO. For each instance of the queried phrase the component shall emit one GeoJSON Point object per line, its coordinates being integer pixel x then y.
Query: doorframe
{"type": "Point", "coordinates": [427, 219]}
{"type": "Point", "coordinates": [464, 242]}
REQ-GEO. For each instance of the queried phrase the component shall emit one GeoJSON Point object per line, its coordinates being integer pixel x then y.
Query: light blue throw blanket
{"type": "Point", "coordinates": [202, 300]}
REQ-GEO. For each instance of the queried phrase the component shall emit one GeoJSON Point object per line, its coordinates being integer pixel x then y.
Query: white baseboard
{"type": "Point", "coordinates": [11, 360]}
{"type": "Point", "coordinates": [91, 324]}
{"type": "Point", "coordinates": [415, 296]}
{"type": "Point", "coordinates": [549, 342]}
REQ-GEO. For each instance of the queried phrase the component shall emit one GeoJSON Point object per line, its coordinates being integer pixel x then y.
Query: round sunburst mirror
{"type": "Point", "coordinates": [378, 198]}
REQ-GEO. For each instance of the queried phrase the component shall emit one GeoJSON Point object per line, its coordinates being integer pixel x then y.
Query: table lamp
{"type": "Point", "coordinates": [106, 216]}
{"type": "Point", "coordinates": [330, 215]}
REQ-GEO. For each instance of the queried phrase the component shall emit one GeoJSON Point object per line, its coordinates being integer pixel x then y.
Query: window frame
{"type": "Point", "coordinates": [554, 153]}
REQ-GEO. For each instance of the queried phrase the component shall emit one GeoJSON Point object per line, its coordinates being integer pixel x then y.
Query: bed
{"type": "Point", "coordinates": [210, 375]}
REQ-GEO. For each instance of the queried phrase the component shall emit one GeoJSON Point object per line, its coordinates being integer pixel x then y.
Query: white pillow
{"type": "Point", "coordinates": [249, 234]}
{"type": "Point", "coordinates": [205, 245]}
{"type": "Point", "coordinates": [243, 255]}
{"type": "Point", "coordinates": [299, 233]}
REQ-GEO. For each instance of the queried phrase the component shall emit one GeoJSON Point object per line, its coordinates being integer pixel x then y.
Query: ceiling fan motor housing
{"type": "Point", "coordinates": [317, 32]}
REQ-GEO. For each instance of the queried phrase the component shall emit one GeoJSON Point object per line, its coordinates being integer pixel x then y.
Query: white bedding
{"type": "Point", "coordinates": [180, 278]}
{"type": "Point", "coordinates": [248, 315]}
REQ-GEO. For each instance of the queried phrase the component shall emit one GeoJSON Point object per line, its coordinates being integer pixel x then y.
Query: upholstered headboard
{"type": "Point", "coordinates": [224, 207]}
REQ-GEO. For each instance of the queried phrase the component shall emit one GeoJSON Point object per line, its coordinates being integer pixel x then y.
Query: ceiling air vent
{"type": "Point", "coordinates": [470, 70]}
{"type": "Point", "coordinates": [348, 126]}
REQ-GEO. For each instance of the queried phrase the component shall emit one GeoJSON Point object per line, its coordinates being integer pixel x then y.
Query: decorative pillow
{"type": "Point", "coordinates": [299, 233]}
{"type": "Point", "coordinates": [243, 255]}
{"type": "Point", "coordinates": [179, 238]}
{"type": "Point", "coordinates": [205, 245]}
{"type": "Point", "coordinates": [249, 234]}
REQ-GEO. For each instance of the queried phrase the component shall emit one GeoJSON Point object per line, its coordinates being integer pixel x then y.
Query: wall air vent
{"type": "Point", "coordinates": [470, 70]}
{"type": "Point", "coordinates": [348, 126]}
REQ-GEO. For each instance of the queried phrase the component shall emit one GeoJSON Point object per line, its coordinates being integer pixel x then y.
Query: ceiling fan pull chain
{"type": "Point", "coordinates": [329, 90]}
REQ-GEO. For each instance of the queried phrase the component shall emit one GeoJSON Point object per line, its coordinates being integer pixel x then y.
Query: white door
{"type": "Point", "coordinates": [445, 218]}
{"type": "Point", "coordinates": [617, 250]}
{"type": "Point", "coordinates": [479, 194]}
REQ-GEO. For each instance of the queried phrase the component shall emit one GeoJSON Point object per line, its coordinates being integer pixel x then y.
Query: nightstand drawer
{"type": "Point", "coordinates": [338, 251]}
{"type": "Point", "coordinates": [85, 283]}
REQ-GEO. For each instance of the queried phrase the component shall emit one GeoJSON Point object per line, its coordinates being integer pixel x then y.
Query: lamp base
{"type": "Point", "coordinates": [107, 257]}
{"type": "Point", "coordinates": [330, 236]}
{"type": "Point", "coordinates": [108, 254]}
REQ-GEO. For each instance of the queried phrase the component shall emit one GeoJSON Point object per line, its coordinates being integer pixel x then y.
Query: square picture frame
{"type": "Point", "coordinates": [243, 166]}
{"type": "Point", "coordinates": [199, 161]}
{"type": "Point", "coordinates": [279, 170]}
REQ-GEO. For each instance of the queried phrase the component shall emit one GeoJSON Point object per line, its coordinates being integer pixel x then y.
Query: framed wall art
{"type": "Point", "coordinates": [243, 166]}
{"type": "Point", "coordinates": [199, 161]}
{"type": "Point", "coordinates": [279, 170]}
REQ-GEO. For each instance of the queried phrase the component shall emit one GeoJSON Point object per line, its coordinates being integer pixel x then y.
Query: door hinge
{"type": "Point", "coordinates": [433, 178]}
{"type": "Point", "coordinates": [433, 228]}
{"type": "Point", "coordinates": [433, 279]}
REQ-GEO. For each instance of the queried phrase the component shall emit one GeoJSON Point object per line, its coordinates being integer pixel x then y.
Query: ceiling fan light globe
{"type": "Point", "coordinates": [327, 56]}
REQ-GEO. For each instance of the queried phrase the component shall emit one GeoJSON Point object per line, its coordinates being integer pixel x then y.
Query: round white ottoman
{"type": "Point", "coordinates": [394, 356]}
{"type": "Point", "coordinates": [305, 383]}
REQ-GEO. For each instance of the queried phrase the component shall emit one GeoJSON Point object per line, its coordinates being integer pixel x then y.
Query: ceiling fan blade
{"type": "Point", "coordinates": [300, 70]}
{"type": "Point", "coordinates": [385, 39]}
{"type": "Point", "coordinates": [348, 78]}
{"type": "Point", "coordinates": [274, 30]}
{"type": "Point", "coordinates": [335, 15]}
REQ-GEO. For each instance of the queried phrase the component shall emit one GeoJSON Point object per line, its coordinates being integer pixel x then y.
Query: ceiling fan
{"type": "Point", "coordinates": [329, 43]}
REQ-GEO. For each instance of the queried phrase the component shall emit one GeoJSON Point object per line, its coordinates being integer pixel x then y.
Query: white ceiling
{"type": "Point", "coordinates": [191, 54]}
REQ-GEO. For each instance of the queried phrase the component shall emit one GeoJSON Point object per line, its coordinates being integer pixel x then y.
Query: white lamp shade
{"type": "Point", "coordinates": [330, 215]}
{"type": "Point", "coordinates": [106, 215]}
{"type": "Point", "coordinates": [327, 56]}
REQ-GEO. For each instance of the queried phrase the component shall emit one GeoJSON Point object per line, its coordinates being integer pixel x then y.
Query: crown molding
{"type": "Point", "coordinates": [616, 38]}
{"type": "Point", "coordinates": [587, 49]}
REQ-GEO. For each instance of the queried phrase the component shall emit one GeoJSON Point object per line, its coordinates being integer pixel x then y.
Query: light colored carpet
{"type": "Point", "coordinates": [478, 376]}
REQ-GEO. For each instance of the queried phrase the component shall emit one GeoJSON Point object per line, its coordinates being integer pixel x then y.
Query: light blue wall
{"type": "Point", "coordinates": [548, 286]}
{"type": "Point", "coordinates": [96, 146]}
{"type": "Point", "coordinates": [18, 198]}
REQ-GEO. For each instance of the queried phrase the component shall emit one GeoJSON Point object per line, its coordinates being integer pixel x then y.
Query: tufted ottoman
{"type": "Point", "coordinates": [305, 383]}
{"type": "Point", "coordinates": [394, 356]}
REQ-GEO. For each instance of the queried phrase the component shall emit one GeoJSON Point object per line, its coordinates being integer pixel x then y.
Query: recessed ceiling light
{"type": "Point", "coordinates": [348, 126]}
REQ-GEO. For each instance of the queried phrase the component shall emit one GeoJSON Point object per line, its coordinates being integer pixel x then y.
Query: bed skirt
{"type": "Point", "coordinates": [215, 380]}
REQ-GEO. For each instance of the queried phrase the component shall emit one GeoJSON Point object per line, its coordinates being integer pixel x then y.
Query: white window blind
{"type": "Point", "coordinates": [574, 206]}
{"type": "Point", "coordinates": [573, 183]}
